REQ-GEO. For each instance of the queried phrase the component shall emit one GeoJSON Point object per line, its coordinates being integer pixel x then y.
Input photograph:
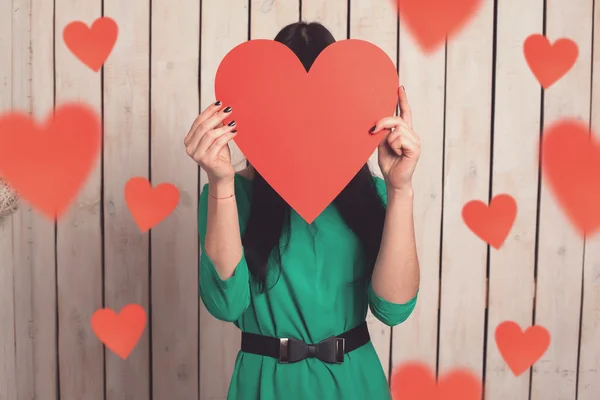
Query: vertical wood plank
{"type": "Point", "coordinates": [126, 154]}
{"type": "Point", "coordinates": [423, 76]}
{"type": "Point", "coordinates": [33, 234]}
{"type": "Point", "coordinates": [223, 28]}
{"type": "Point", "coordinates": [8, 381]}
{"type": "Point", "coordinates": [333, 14]}
{"type": "Point", "coordinates": [268, 17]}
{"type": "Point", "coordinates": [79, 241]}
{"type": "Point", "coordinates": [560, 248]}
{"type": "Point", "coordinates": [174, 243]}
{"type": "Point", "coordinates": [467, 163]}
{"type": "Point", "coordinates": [377, 22]}
{"type": "Point", "coordinates": [515, 172]}
{"type": "Point", "coordinates": [589, 353]}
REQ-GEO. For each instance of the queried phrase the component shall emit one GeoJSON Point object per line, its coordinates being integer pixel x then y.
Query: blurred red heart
{"type": "Point", "coordinates": [416, 381]}
{"type": "Point", "coordinates": [571, 166]}
{"type": "Point", "coordinates": [431, 21]}
{"type": "Point", "coordinates": [307, 134]}
{"type": "Point", "coordinates": [48, 164]}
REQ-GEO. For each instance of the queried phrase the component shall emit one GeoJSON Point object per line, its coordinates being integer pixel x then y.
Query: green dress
{"type": "Point", "coordinates": [319, 294]}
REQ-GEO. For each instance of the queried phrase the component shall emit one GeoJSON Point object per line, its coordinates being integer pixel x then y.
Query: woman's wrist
{"type": "Point", "coordinates": [400, 194]}
{"type": "Point", "coordinates": [221, 189]}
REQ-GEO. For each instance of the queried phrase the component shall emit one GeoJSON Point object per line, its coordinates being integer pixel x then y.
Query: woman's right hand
{"type": "Point", "coordinates": [207, 143]}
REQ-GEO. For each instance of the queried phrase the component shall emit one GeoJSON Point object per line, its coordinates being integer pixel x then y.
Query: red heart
{"type": "Point", "coordinates": [120, 333]}
{"type": "Point", "coordinates": [571, 165]}
{"type": "Point", "coordinates": [416, 381]}
{"type": "Point", "coordinates": [549, 62]}
{"type": "Point", "coordinates": [431, 21]}
{"type": "Point", "coordinates": [49, 164]}
{"type": "Point", "coordinates": [307, 134]}
{"type": "Point", "coordinates": [150, 206]}
{"type": "Point", "coordinates": [519, 349]}
{"type": "Point", "coordinates": [492, 224]}
{"type": "Point", "coordinates": [92, 46]}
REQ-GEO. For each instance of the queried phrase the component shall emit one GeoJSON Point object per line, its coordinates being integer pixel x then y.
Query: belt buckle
{"type": "Point", "coordinates": [340, 350]}
{"type": "Point", "coordinates": [284, 356]}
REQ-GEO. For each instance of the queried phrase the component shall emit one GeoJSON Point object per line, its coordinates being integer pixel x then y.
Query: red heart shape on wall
{"type": "Point", "coordinates": [307, 134]}
{"type": "Point", "coordinates": [91, 45]}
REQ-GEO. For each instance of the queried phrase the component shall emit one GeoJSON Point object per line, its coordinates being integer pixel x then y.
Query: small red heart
{"type": "Point", "coordinates": [416, 381]}
{"type": "Point", "coordinates": [150, 206]}
{"type": "Point", "coordinates": [492, 224]}
{"type": "Point", "coordinates": [307, 134]}
{"type": "Point", "coordinates": [120, 333]}
{"type": "Point", "coordinates": [519, 349]}
{"type": "Point", "coordinates": [92, 46]}
{"type": "Point", "coordinates": [549, 62]}
{"type": "Point", "coordinates": [571, 166]}
{"type": "Point", "coordinates": [48, 164]}
{"type": "Point", "coordinates": [432, 21]}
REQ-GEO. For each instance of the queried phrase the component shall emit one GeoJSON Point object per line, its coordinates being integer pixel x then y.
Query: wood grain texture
{"type": "Point", "coordinates": [8, 367]}
{"type": "Point", "coordinates": [515, 172]}
{"type": "Point", "coordinates": [223, 28]}
{"type": "Point", "coordinates": [467, 164]}
{"type": "Point", "coordinates": [33, 234]}
{"type": "Point", "coordinates": [174, 242]}
{"type": "Point", "coordinates": [423, 76]}
{"type": "Point", "coordinates": [589, 352]}
{"type": "Point", "coordinates": [268, 17]}
{"type": "Point", "coordinates": [376, 21]}
{"type": "Point", "coordinates": [79, 240]}
{"type": "Point", "coordinates": [333, 14]}
{"type": "Point", "coordinates": [560, 247]}
{"type": "Point", "coordinates": [126, 155]}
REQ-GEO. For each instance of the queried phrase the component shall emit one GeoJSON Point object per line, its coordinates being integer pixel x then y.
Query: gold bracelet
{"type": "Point", "coordinates": [220, 198]}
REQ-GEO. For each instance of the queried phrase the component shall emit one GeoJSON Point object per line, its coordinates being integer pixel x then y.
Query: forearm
{"type": "Point", "coordinates": [396, 273]}
{"type": "Point", "coordinates": [223, 243]}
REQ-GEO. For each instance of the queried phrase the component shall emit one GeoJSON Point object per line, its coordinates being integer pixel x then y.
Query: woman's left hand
{"type": "Point", "coordinates": [401, 148]}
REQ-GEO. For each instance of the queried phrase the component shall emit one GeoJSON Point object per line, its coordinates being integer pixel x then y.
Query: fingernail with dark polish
{"type": "Point", "coordinates": [234, 131]}
{"type": "Point", "coordinates": [232, 123]}
{"type": "Point", "coordinates": [403, 88]}
{"type": "Point", "coordinates": [228, 109]}
{"type": "Point", "coordinates": [218, 103]}
{"type": "Point", "coordinates": [373, 128]}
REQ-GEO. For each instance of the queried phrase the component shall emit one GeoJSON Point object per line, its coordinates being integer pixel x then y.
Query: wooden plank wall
{"type": "Point", "coordinates": [476, 106]}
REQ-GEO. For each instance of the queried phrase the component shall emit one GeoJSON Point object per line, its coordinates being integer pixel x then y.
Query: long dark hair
{"type": "Point", "coordinates": [267, 229]}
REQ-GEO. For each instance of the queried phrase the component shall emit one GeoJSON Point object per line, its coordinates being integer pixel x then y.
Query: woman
{"type": "Point", "coordinates": [300, 292]}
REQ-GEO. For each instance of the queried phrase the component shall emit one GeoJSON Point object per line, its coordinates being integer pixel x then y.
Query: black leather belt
{"type": "Point", "coordinates": [289, 350]}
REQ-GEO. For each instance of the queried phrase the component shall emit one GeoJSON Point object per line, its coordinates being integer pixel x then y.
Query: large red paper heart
{"type": "Point", "coordinates": [549, 62]}
{"type": "Point", "coordinates": [307, 134]}
{"type": "Point", "coordinates": [416, 381]}
{"type": "Point", "coordinates": [571, 166]}
{"type": "Point", "coordinates": [519, 349]}
{"type": "Point", "coordinates": [432, 21]}
{"type": "Point", "coordinates": [48, 164]}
